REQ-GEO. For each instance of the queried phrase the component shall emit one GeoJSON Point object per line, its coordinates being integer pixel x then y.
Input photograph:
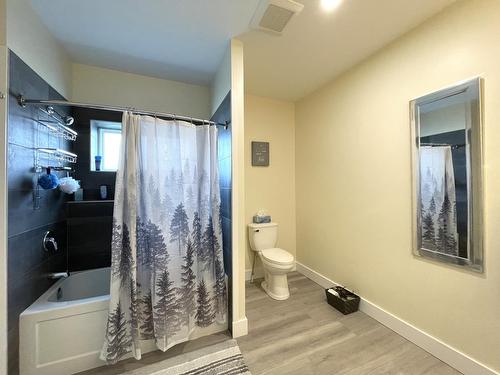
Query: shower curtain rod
{"type": "Point", "coordinates": [24, 102]}
{"type": "Point", "coordinates": [442, 145]}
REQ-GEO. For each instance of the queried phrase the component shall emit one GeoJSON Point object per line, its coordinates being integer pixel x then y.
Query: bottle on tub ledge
{"type": "Point", "coordinates": [261, 217]}
{"type": "Point", "coordinates": [78, 195]}
{"type": "Point", "coordinates": [98, 160]}
{"type": "Point", "coordinates": [103, 191]}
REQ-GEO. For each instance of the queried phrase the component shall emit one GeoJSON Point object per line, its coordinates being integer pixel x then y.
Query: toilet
{"type": "Point", "coordinates": [277, 262]}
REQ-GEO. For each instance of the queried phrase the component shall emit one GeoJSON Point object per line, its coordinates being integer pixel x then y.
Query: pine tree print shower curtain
{"type": "Point", "coordinates": [438, 200]}
{"type": "Point", "coordinates": [167, 274]}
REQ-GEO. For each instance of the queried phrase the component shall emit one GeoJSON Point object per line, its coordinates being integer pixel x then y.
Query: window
{"type": "Point", "coordinates": [105, 141]}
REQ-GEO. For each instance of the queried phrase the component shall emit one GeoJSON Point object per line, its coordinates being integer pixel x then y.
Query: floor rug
{"type": "Point", "coordinates": [220, 359]}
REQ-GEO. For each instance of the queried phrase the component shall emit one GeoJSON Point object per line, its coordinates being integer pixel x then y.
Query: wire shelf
{"type": "Point", "coordinates": [57, 124]}
{"type": "Point", "coordinates": [56, 154]}
{"type": "Point", "coordinates": [59, 130]}
{"type": "Point", "coordinates": [40, 168]}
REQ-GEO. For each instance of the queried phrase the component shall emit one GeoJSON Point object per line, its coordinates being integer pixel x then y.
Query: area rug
{"type": "Point", "coordinates": [220, 359]}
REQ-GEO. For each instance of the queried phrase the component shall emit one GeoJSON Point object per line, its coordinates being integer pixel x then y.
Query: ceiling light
{"type": "Point", "coordinates": [329, 5]}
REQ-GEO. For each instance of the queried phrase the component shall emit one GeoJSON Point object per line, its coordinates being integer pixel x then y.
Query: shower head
{"type": "Point", "coordinates": [69, 120]}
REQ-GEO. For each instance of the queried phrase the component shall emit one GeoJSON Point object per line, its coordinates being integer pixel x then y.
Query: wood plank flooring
{"type": "Point", "coordinates": [305, 336]}
{"type": "Point", "coordinates": [157, 356]}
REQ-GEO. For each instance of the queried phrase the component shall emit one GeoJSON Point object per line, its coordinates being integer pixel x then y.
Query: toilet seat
{"type": "Point", "coordinates": [277, 256]}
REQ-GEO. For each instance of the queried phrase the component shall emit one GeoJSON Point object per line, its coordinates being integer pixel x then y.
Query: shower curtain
{"type": "Point", "coordinates": [167, 275]}
{"type": "Point", "coordinates": [438, 200]}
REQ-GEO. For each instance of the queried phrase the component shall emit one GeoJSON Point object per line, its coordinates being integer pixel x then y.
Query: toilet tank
{"type": "Point", "coordinates": [263, 236]}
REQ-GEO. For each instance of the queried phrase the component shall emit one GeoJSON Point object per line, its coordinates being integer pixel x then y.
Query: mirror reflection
{"type": "Point", "coordinates": [448, 141]}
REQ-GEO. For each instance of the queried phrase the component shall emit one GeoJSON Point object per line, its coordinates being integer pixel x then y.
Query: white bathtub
{"type": "Point", "coordinates": [63, 336]}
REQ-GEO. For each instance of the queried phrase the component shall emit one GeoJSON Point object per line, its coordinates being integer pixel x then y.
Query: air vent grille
{"type": "Point", "coordinates": [274, 15]}
{"type": "Point", "coordinates": [275, 18]}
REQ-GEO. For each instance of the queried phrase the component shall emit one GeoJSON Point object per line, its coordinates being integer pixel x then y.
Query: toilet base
{"type": "Point", "coordinates": [278, 297]}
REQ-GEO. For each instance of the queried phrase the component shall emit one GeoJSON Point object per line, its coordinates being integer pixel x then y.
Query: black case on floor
{"type": "Point", "coordinates": [343, 304]}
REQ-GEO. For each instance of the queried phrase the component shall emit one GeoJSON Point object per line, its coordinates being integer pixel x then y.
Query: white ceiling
{"type": "Point", "coordinates": [185, 40]}
{"type": "Point", "coordinates": [182, 40]}
{"type": "Point", "coordinates": [317, 46]}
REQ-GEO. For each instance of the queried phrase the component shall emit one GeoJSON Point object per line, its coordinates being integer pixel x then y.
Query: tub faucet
{"type": "Point", "coordinates": [58, 275]}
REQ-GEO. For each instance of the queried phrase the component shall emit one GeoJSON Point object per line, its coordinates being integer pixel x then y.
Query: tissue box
{"type": "Point", "coordinates": [261, 219]}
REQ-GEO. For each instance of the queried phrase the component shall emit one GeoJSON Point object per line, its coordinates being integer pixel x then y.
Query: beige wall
{"type": "Point", "coordinates": [354, 180]}
{"type": "Point", "coordinates": [30, 39]}
{"type": "Point", "coordinates": [105, 86]}
{"type": "Point", "coordinates": [271, 188]}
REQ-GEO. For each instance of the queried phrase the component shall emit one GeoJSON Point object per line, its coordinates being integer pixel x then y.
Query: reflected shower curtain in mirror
{"type": "Point", "coordinates": [438, 200]}
{"type": "Point", "coordinates": [167, 276]}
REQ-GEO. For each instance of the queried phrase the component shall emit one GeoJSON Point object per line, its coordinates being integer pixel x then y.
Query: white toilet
{"type": "Point", "coordinates": [277, 262]}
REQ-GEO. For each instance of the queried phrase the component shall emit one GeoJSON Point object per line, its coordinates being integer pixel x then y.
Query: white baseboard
{"type": "Point", "coordinates": [432, 345]}
{"type": "Point", "coordinates": [240, 328]}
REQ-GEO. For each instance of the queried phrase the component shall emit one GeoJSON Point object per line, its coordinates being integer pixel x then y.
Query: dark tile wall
{"type": "Point", "coordinates": [28, 263]}
{"type": "Point", "coordinates": [89, 234]}
{"type": "Point", "coordinates": [89, 222]}
{"type": "Point", "coordinates": [223, 115]}
{"type": "Point", "coordinates": [89, 180]}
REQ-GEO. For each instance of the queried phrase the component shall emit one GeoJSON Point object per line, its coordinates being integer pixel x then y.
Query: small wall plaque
{"type": "Point", "coordinates": [260, 154]}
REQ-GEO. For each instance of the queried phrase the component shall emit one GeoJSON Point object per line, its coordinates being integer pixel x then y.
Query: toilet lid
{"type": "Point", "coordinates": [277, 255]}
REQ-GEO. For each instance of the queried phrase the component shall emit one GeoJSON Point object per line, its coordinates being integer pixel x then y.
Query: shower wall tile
{"type": "Point", "coordinates": [89, 234]}
{"type": "Point", "coordinates": [18, 177]}
{"type": "Point", "coordinates": [223, 115]}
{"type": "Point", "coordinates": [89, 209]}
{"type": "Point", "coordinates": [22, 217]}
{"type": "Point", "coordinates": [226, 244]}
{"type": "Point", "coordinates": [91, 180]}
{"type": "Point", "coordinates": [28, 264]}
{"type": "Point", "coordinates": [225, 196]}
{"type": "Point", "coordinates": [224, 149]}
{"type": "Point", "coordinates": [225, 172]}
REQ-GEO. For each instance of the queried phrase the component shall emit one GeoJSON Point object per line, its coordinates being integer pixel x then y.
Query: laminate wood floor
{"type": "Point", "coordinates": [304, 336]}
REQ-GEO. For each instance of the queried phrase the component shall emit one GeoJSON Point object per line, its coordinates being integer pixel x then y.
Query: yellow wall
{"type": "Point", "coordinates": [30, 39]}
{"type": "Point", "coordinates": [271, 188]}
{"type": "Point", "coordinates": [106, 86]}
{"type": "Point", "coordinates": [354, 179]}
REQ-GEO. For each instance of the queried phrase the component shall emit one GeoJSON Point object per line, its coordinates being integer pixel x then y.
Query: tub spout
{"type": "Point", "coordinates": [58, 275]}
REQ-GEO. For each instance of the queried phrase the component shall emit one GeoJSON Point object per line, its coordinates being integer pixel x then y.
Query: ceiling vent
{"type": "Point", "coordinates": [274, 15]}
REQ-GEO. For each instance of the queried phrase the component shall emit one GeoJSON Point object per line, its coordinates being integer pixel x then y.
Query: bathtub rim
{"type": "Point", "coordinates": [42, 303]}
